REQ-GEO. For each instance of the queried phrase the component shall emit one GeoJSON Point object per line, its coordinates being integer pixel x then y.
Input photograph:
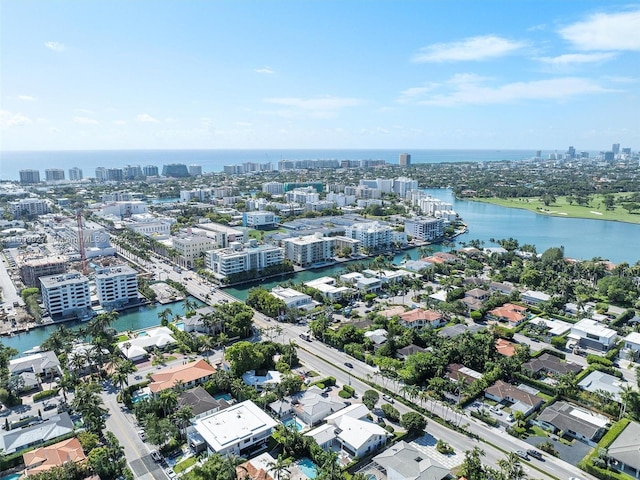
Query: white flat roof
{"type": "Point", "coordinates": [226, 428]}
{"type": "Point", "coordinates": [595, 328]}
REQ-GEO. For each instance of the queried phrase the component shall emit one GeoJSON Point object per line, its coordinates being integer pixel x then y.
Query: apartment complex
{"type": "Point", "coordinates": [29, 177]}
{"type": "Point", "coordinates": [309, 249]}
{"type": "Point", "coordinates": [425, 228]}
{"type": "Point", "coordinates": [243, 258]}
{"type": "Point", "coordinates": [28, 206]}
{"type": "Point", "coordinates": [66, 295]}
{"type": "Point", "coordinates": [117, 286]}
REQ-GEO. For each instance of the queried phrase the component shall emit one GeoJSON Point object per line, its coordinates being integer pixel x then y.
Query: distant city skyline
{"type": "Point", "coordinates": [319, 74]}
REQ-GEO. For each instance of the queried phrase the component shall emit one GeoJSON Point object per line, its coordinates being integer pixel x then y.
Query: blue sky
{"type": "Point", "coordinates": [140, 74]}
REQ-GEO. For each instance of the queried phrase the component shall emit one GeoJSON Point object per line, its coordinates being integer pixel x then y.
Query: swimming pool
{"type": "Point", "coordinates": [223, 396]}
{"type": "Point", "coordinates": [293, 423]}
{"type": "Point", "coordinates": [138, 396]}
{"type": "Point", "coordinates": [13, 476]}
{"type": "Point", "coordinates": [180, 326]}
{"type": "Point", "coordinates": [142, 334]}
{"type": "Point", "coordinates": [307, 467]}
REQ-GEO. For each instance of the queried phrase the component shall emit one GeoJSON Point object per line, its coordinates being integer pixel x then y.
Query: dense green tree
{"type": "Point", "coordinates": [413, 422]}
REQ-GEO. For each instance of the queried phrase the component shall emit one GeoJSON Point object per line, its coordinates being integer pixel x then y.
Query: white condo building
{"type": "Point", "coordinates": [258, 219]}
{"type": "Point", "coordinates": [309, 249]}
{"type": "Point", "coordinates": [403, 185]}
{"type": "Point", "coordinates": [371, 235]}
{"type": "Point", "coordinates": [239, 258]}
{"type": "Point", "coordinates": [273, 188]}
{"type": "Point", "coordinates": [189, 247]}
{"type": "Point", "coordinates": [66, 295]}
{"type": "Point", "coordinates": [424, 228]}
{"type": "Point", "coordinates": [302, 195]}
{"type": "Point", "coordinates": [117, 286]}
{"type": "Point", "coordinates": [28, 206]}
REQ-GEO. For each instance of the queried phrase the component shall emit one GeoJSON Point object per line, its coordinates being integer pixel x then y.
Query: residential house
{"type": "Point", "coordinates": [419, 318]}
{"type": "Point", "coordinates": [293, 298]}
{"type": "Point", "coordinates": [505, 347]}
{"type": "Point", "coordinates": [43, 364]}
{"type": "Point", "coordinates": [451, 331]}
{"type": "Point", "coordinates": [200, 402]}
{"type": "Point", "coordinates": [504, 288]}
{"type": "Point", "coordinates": [591, 334]}
{"type": "Point", "coordinates": [18, 439]}
{"type": "Point", "coordinates": [392, 312]}
{"type": "Point", "coordinates": [598, 382]}
{"type": "Point", "coordinates": [312, 407]}
{"type": "Point", "coordinates": [623, 452]}
{"type": "Point", "coordinates": [202, 322]}
{"type": "Point", "coordinates": [326, 285]}
{"type": "Point", "coordinates": [513, 314]}
{"type": "Point", "coordinates": [402, 461]}
{"type": "Point", "coordinates": [533, 297]}
{"type": "Point", "coordinates": [575, 421]}
{"type": "Point", "coordinates": [632, 344]}
{"type": "Point", "coordinates": [520, 398]}
{"type": "Point", "coordinates": [551, 365]}
{"type": "Point", "coordinates": [458, 372]}
{"type": "Point", "coordinates": [42, 459]}
{"type": "Point", "coordinates": [258, 468]}
{"type": "Point", "coordinates": [137, 349]}
{"type": "Point", "coordinates": [235, 430]}
{"type": "Point", "coordinates": [377, 337]}
{"type": "Point", "coordinates": [405, 352]}
{"type": "Point", "coordinates": [351, 431]}
{"type": "Point", "coordinates": [260, 382]}
{"type": "Point", "coordinates": [187, 376]}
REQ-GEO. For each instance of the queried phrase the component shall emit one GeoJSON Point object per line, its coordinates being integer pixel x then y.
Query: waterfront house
{"type": "Point", "coordinates": [137, 349]}
{"type": "Point", "coordinates": [42, 364]}
{"type": "Point", "coordinates": [293, 298]}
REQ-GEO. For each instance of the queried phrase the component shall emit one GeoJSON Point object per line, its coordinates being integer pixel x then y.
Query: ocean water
{"type": "Point", "coordinates": [215, 160]}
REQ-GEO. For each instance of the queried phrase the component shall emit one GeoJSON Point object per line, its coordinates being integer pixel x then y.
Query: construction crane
{"type": "Point", "coordinates": [83, 253]}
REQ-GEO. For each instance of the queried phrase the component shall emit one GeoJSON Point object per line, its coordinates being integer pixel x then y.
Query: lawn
{"type": "Point", "coordinates": [561, 208]}
{"type": "Point", "coordinates": [182, 466]}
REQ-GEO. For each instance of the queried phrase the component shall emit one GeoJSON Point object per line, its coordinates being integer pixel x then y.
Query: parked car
{"type": "Point", "coordinates": [534, 453]}
{"type": "Point", "coordinates": [156, 455]}
{"type": "Point", "coordinates": [496, 411]}
{"type": "Point", "coordinates": [50, 406]}
{"type": "Point", "coordinates": [522, 454]}
{"type": "Point", "coordinates": [142, 435]}
{"type": "Point", "coordinates": [387, 398]}
{"type": "Point", "coordinates": [170, 473]}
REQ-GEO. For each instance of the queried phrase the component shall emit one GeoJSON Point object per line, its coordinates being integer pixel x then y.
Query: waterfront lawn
{"type": "Point", "coordinates": [561, 208]}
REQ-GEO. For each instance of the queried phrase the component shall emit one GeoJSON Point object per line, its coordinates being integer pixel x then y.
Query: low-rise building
{"type": "Point", "coordinates": [235, 430]}
{"type": "Point", "coordinates": [200, 402]}
{"type": "Point", "coordinates": [312, 407]}
{"type": "Point", "coordinates": [259, 382]}
{"type": "Point", "coordinates": [185, 376]}
{"type": "Point", "coordinates": [591, 334]}
{"type": "Point", "coordinates": [136, 349]}
{"type": "Point", "coordinates": [598, 382]}
{"type": "Point", "coordinates": [520, 399]}
{"type": "Point", "coordinates": [533, 297]}
{"type": "Point", "coordinates": [293, 298]}
{"type": "Point", "coordinates": [21, 438]}
{"type": "Point", "coordinates": [326, 285]}
{"type": "Point", "coordinates": [623, 452]}
{"type": "Point", "coordinates": [512, 314]}
{"type": "Point", "coordinates": [550, 365]}
{"type": "Point", "coordinates": [403, 461]}
{"type": "Point", "coordinates": [42, 364]}
{"type": "Point", "coordinates": [420, 318]}
{"type": "Point", "coordinates": [45, 458]}
{"type": "Point", "coordinates": [574, 421]}
{"type": "Point", "coordinates": [189, 247]}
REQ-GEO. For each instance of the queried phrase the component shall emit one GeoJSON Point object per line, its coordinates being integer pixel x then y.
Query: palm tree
{"type": "Point", "coordinates": [329, 468]}
{"type": "Point", "coordinates": [511, 467]}
{"type": "Point", "coordinates": [280, 467]}
{"type": "Point", "coordinates": [168, 401]}
{"type": "Point", "coordinates": [183, 417]}
{"type": "Point", "coordinates": [164, 316]}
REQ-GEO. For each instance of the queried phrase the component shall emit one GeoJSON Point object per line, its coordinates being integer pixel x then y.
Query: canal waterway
{"type": "Point", "coordinates": [581, 238]}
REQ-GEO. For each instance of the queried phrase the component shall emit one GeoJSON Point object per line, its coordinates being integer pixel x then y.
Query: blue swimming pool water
{"type": "Point", "coordinates": [223, 396]}
{"type": "Point", "coordinates": [307, 467]}
{"type": "Point", "coordinates": [293, 423]}
{"type": "Point", "coordinates": [142, 334]}
{"type": "Point", "coordinates": [180, 326]}
{"type": "Point", "coordinates": [137, 397]}
{"type": "Point", "coordinates": [13, 476]}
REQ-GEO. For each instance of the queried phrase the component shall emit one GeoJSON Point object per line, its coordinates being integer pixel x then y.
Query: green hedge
{"type": "Point", "coordinates": [328, 381]}
{"type": "Point", "coordinates": [45, 394]}
{"type": "Point", "coordinates": [488, 420]}
{"type": "Point", "coordinates": [349, 389]}
{"type": "Point", "coordinates": [543, 387]}
{"type": "Point", "coordinates": [344, 394]}
{"type": "Point", "coordinates": [555, 353]}
{"type": "Point", "coordinates": [586, 463]}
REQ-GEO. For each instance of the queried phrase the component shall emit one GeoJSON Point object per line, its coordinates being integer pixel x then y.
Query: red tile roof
{"type": "Point", "coordinates": [189, 372]}
{"type": "Point", "coordinates": [418, 314]}
{"type": "Point", "coordinates": [42, 459]}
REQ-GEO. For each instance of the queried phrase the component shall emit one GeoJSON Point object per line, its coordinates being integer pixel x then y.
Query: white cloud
{"type": "Point", "coordinates": [473, 48]}
{"type": "Point", "coordinates": [119, 122]}
{"type": "Point", "coordinates": [604, 31]}
{"type": "Point", "coordinates": [85, 121]}
{"type": "Point", "coordinates": [577, 58]}
{"type": "Point", "coordinates": [10, 119]}
{"type": "Point", "coordinates": [413, 93]}
{"type": "Point", "coordinates": [267, 70]}
{"type": "Point", "coordinates": [55, 46]}
{"type": "Point", "coordinates": [476, 93]}
{"type": "Point", "coordinates": [26, 98]}
{"type": "Point", "coordinates": [146, 118]}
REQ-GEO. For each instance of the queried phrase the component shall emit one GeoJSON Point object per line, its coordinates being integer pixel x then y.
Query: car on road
{"type": "Point", "coordinates": [534, 453]}
{"type": "Point", "coordinates": [496, 411]}
{"type": "Point", "coordinates": [510, 418]}
{"type": "Point", "coordinates": [142, 435]}
{"type": "Point", "coordinates": [347, 364]}
{"type": "Point", "coordinates": [50, 406]}
{"type": "Point", "coordinates": [522, 454]}
{"type": "Point", "coordinates": [387, 398]}
{"type": "Point", "coordinates": [156, 455]}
